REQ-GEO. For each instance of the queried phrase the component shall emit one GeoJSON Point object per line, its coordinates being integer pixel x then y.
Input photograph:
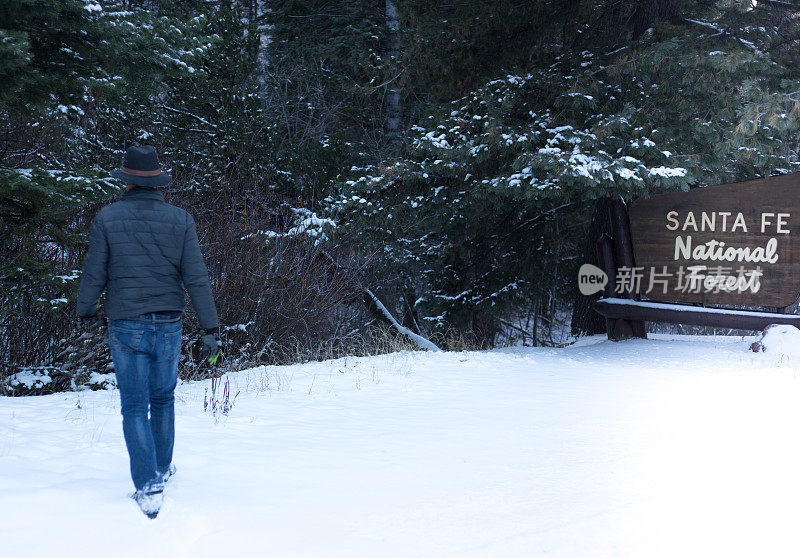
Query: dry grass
{"type": "Point", "coordinates": [378, 340]}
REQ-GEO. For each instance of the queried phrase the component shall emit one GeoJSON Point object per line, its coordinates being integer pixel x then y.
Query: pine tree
{"type": "Point", "coordinates": [487, 208]}
{"type": "Point", "coordinates": [84, 78]}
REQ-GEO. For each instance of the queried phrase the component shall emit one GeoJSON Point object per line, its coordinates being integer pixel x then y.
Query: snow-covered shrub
{"type": "Point", "coordinates": [779, 339]}
{"type": "Point", "coordinates": [39, 380]}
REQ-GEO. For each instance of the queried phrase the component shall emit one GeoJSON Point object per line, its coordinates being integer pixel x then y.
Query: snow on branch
{"type": "Point", "coordinates": [776, 4]}
{"type": "Point", "coordinates": [720, 31]}
{"type": "Point", "coordinates": [307, 223]}
{"type": "Point", "coordinates": [418, 339]}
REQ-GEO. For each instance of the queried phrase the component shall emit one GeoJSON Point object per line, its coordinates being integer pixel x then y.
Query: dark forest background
{"type": "Point", "coordinates": [443, 160]}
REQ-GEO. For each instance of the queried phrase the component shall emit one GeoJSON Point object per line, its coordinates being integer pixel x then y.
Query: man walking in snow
{"type": "Point", "coordinates": [143, 252]}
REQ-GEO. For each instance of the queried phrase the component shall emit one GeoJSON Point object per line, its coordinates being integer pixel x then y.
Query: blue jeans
{"type": "Point", "coordinates": [145, 352]}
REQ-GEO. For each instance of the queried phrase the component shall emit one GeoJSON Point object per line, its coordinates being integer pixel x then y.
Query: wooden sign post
{"type": "Point", "coordinates": [733, 244]}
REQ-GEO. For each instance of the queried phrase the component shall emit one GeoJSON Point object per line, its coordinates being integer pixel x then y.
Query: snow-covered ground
{"type": "Point", "coordinates": [673, 446]}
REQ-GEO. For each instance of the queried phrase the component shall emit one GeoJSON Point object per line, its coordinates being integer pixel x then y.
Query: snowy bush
{"type": "Point", "coordinates": [782, 340]}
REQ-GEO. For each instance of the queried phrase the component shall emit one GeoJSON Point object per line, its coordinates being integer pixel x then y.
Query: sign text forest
{"type": "Point", "coordinates": [736, 244]}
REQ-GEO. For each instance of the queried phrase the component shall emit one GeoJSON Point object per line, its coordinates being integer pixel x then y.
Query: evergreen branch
{"type": "Point", "coordinates": [196, 130]}
{"type": "Point", "coordinates": [722, 32]}
{"type": "Point", "coordinates": [785, 41]}
{"type": "Point", "coordinates": [777, 4]}
{"type": "Point", "coordinates": [391, 80]}
{"type": "Point", "coordinates": [185, 113]}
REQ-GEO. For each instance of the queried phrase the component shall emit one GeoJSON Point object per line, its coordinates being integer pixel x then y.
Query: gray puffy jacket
{"type": "Point", "coordinates": [144, 251]}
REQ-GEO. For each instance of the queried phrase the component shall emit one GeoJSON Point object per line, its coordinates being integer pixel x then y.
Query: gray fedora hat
{"type": "Point", "coordinates": [141, 168]}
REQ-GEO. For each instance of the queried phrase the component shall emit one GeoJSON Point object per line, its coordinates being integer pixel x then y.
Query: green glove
{"type": "Point", "coordinates": [213, 346]}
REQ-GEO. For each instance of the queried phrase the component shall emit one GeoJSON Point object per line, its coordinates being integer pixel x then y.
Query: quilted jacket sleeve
{"type": "Point", "coordinates": [195, 278]}
{"type": "Point", "coordinates": [95, 270]}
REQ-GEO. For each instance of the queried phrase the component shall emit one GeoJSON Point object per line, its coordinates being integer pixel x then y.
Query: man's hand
{"type": "Point", "coordinates": [88, 323]}
{"type": "Point", "coordinates": [212, 345]}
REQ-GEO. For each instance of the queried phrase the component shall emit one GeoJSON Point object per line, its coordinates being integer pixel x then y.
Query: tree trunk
{"type": "Point", "coordinates": [649, 11]}
{"type": "Point", "coordinates": [394, 109]}
{"type": "Point", "coordinates": [586, 321]}
{"type": "Point", "coordinates": [377, 308]}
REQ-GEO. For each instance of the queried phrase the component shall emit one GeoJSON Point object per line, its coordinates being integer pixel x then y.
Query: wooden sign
{"type": "Point", "coordinates": [733, 244]}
